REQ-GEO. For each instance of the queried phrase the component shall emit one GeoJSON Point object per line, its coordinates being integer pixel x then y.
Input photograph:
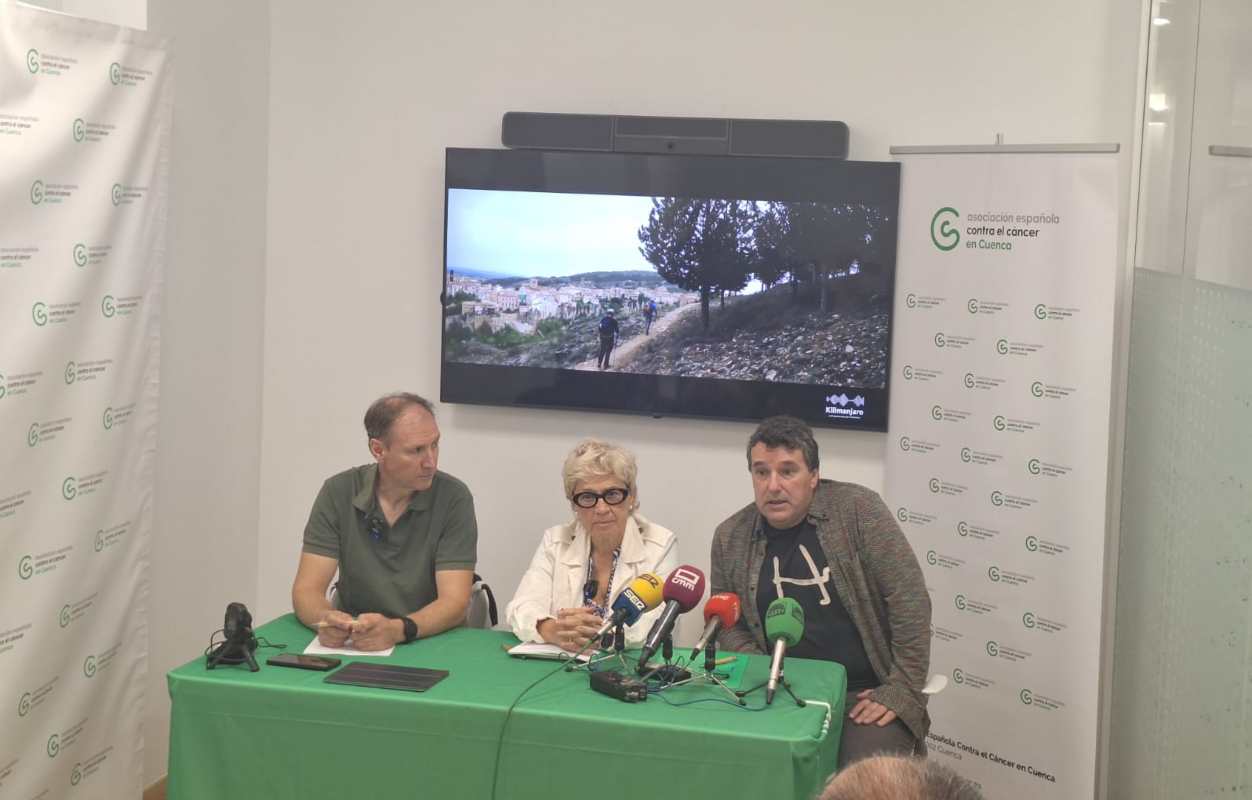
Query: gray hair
{"type": "Point", "coordinates": [885, 777]}
{"type": "Point", "coordinates": [786, 432]}
{"type": "Point", "coordinates": [592, 458]}
{"type": "Point", "coordinates": [384, 411]}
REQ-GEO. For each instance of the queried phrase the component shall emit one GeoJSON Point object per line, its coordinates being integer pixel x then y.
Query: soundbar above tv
{"type": "Point", "coordinates": [670, 285]}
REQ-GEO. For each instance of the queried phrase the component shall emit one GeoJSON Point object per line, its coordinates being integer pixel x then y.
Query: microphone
{"type": "Point", "coordinates": [722, 611]}
{"type": "Point", "coordinates": [683, 590]}
{"type": "Point", "coordinates": [640, 595]}
{"type": "Point", "coordinates": [784, 626]}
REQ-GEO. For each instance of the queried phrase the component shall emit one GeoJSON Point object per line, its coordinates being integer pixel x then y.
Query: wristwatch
{"type": "Point", "coordinates": [410, 629]}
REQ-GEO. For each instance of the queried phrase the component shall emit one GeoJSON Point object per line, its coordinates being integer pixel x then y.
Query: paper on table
{"type": "Point", "coordinates": [544, 650]}
{"type": "Point", "coordinates": [316, 648]}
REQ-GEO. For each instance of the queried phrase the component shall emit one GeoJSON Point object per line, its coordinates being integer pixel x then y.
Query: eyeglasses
{"type": "Point", "coordinates": [611, 497]}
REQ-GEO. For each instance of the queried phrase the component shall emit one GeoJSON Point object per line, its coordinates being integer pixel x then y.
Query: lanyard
{"type": "Point", "coordinates": [590, 587]}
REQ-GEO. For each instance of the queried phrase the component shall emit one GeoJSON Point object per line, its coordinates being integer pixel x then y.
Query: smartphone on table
{"type": "Point", "coordinates": [301, 661]}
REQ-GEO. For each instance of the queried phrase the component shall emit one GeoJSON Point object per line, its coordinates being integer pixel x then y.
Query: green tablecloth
{"type": "Point", "coordinates": [284, 733]}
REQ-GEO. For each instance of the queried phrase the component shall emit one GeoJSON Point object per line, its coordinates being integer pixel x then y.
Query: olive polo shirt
{"type": "Point", "coordinates": [390, 570]}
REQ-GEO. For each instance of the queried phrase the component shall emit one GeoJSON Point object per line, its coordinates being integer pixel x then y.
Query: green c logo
{"type": "Point", "coordinates": [54, 745]}
{"type": "Point", "coordinates": [1026, 696]}
{"type": "Point", "coordinates": [967, 455]}
{"type": "Point", "coordinates": [905, 443]}
{"type": "Point", "coordinates": [23, 705]}
{"type": "Point", "coordinates": [80, 130]}
{"type": "Point", "coordinates": [959, 602]}
{"type": "Point", "coordinates": [39, 313]}
{"type": "Point", "coordinates": [910, 300]}
{"type": "Point", "coordinates": [999, 423]}
{"type": "Point", "coordinates": [71, 372]}
{"type": "Point", "coordinates": [99, 542]}
{"type": "Point", "coordinates": [25, 567]}
{"type": "Point", "coordinates": [1032, 466]}
{"type": "Point", "coordinates": [972, 306]}
{"type": "Point", "coordinates": [997, 498]}
{"type": "Point", "coordinates": [962, 529]}
{"type": "Point", "coordinates": [940, 340]}
{"type": "Point", "coordinates": [931, 558]}
{"type": "Point", "coordinates": [89, 666]}
{"type": "Point", "coordinates": [116, 193]}
{"type": "Point", "coordinates": [1032, 544]}
{"type": "Point", "coordinates": [108, 418]}
{"type": "Point", "coordinates": [933, 484]}
{"type": "Point", "coordinates": [107, 307]}
{"type": "Point", "coordinates": [80, 254]}
{"type": "Point", "coordinates": [69, 488]}
{"type": "Point", "coordinates": [993, 648]}
{"type": "Point", "coordinates": [994, 574]}
{"type": "Point", "coordinates": [1028, 619]}
{"type": "Point", "coordinates": [115, 73]}
{"type": "Point", "coordinates": [64, 618]}
{"type": "Point", "coordinates": [969, 380]}
{"type": "Point", "coordinates": [902, 514]}
{"type": "Point", "coordinates": [1036, 389]}
{"type": "Point", "coordinates": [958, 675]}
{"type": "Point", "coordinates": [942, 228]}
{"type": "Point", "coordinates": [32, 435]}
{"type": "Point", "coordinates": [1041, 311]}
{"type": "Point", "coordinates": [907, 372]}
{"type": "Point", "coordinates": [936, 412]}
{"type": "Point", "coordinates": [36, 193]}
{"type": "Point", "coordinates": [1002, 346]}
{"type": "Point", "coordinates": [32, 61]}
{"type": "Point", "coordinates": [4, 386]}
{"type": "Point", "coordinates": [76, 774]}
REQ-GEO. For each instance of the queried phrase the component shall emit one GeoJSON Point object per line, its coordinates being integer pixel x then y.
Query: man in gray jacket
{"type": "Point", "coordinates": [836, 550]}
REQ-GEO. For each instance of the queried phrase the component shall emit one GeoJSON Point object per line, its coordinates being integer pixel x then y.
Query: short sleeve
{"type": "Point", "coordinates": [458, 543]}
{"type": "Point", "coordinates": [321, 534]}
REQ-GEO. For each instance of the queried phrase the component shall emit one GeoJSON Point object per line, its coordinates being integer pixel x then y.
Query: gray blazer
{"type": "Point", "coordinates": [876, 577]}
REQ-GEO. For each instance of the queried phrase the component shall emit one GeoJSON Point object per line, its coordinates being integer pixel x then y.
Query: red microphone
{"type": "Point", "coordinates": [722, 611]}
{"type": "Point", "coordinates": [683, 591]}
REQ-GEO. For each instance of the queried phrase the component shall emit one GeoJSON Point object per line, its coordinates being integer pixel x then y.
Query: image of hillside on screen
{"type": "Point", "coordinates": [696, 287]}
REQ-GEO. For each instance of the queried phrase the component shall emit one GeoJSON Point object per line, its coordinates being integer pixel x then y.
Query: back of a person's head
{"type": "Point", "coordinates": [899, 778]}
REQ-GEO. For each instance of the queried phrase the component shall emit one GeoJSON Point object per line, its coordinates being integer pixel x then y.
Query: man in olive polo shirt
{"type": "Point", "coordinates": [401, 534]}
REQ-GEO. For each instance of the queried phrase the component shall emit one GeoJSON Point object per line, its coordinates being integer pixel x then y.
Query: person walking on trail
{"type": "Point", "coordinates": [649, 314]}
{"type": "Point", "coordinates": [609, 331]}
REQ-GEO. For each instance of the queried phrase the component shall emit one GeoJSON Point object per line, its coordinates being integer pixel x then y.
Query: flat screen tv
{"type": "Point", "coordinates": [667, 285]}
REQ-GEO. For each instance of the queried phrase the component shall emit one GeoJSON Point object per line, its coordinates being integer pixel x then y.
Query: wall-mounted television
{"type": "Point", "coordinates": [720, 286]}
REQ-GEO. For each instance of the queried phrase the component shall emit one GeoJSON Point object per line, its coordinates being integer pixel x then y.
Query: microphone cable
{"type": "Point", "coordinates": [495, 772]}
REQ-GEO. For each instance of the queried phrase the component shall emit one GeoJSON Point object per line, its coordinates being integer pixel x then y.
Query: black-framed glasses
{"type": "Point", "coordinates": [613, 497]}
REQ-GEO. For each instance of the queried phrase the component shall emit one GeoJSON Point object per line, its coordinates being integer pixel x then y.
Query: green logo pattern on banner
{"type": "Point", "coordinates": [80, 254]}
{"type": "Point", "coordinates": [80, 130]}
{"type": "Point", "coordinates": [36, 193]}
{"type": "Point", "coordinates": [942, 234]}
{"type": "Point", "coordinates": [115, 73]}
{"type": "Point", "coordinates": [32, 61]}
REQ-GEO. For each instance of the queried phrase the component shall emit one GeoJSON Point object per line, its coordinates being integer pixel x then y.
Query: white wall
{"type": "Point", "coordinates": [364, 97]}
{"type": "Point", "coordinates": [204, 535]}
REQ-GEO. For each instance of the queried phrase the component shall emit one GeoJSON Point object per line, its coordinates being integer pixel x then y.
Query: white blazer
{"type": "Point", "coordinates": [558, 571]}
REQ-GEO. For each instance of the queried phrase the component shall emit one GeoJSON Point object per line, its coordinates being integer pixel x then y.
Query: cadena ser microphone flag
{"type": "Point", "coordinates": [640, 596]}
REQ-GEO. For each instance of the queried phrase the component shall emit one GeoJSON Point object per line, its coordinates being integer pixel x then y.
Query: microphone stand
{"type": "Point", "coordinates": [710, 671]}
{"type": "Point", "coordinates": [782, 679]}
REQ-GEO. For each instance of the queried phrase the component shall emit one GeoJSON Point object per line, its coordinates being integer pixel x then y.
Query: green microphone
{"type": "Point", "coordinates": [784, 626]}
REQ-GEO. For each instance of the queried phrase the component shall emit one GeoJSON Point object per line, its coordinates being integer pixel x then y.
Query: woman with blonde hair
{"type": "Point", "coordinates": [581, 566]}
